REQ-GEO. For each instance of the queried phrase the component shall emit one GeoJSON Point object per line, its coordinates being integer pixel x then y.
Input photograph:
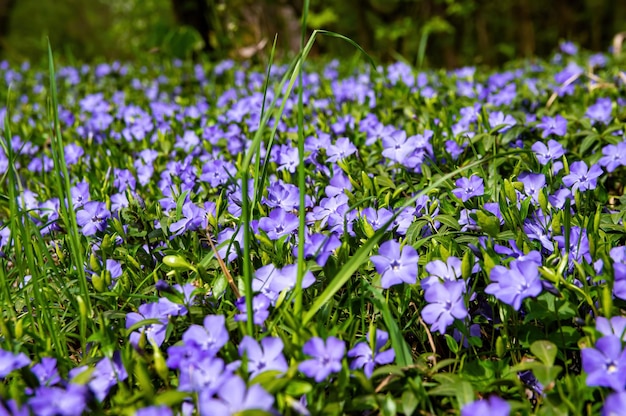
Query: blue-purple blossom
{"type": "Point", "coordinates": [395, 265]}
{"type": "Point", "coordinates": [446, 303]}
{"type": "Point", "coordinates": [342, 148]}
{"type": "Point", "coordinates": [494, 405]}
{"type": "Point", "coordinates": [614, 156]}
{"type": "Point", "coordinates": [260, 309]}
{"type": "Point", "coordinates": [233, 397]}
{"type": "Point", "coordinates": [210, 337]}
{"type": "Point", "coordinates": [154, 332]}
{"type": "Point", "coordinates": [365, 358]}
{"type": "Point", "coordinates": [614, 404]}
{"type": "Point", "coordinates": [469, 187]}
{"type": "Point", "coordinates": [10, 362]}
{"type": "Point", "coordinates": [57, 401]}
{"type": "Point", "coordinates": [553, 125]}
{"type": "Point", "coordinates": [498, 118]}
{"type": "Point", "coordinates": [582, 178]}
{"type": "Point", "coordinates": [615, 326]}
{"type": "Point", "coordinates": [513, 285]}
{"type": "Point", "coordinates": [605, 364]}
{"type": "Point", "coordinates": [266, 356]}
{"type": "Point", "coordinates": [600, 111]}
{"type": "Point", "coordinates": [440, 271]}
{"type": "Point", "coordinates": [278, 223]}
{"type": "Point", "coordinates": [533, 184]}
{"type": "Point", "coordinates": [326, 357]}
{"type": "Point", "coordinates": [93, 217]}
{"type": "Point", "coordinates": [546, 154]}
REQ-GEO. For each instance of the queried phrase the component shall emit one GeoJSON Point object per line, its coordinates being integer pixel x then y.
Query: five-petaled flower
{"type": "Point", "coordinates": [327, 356]}
{"type": "Point", "coordinates": [395, 265]}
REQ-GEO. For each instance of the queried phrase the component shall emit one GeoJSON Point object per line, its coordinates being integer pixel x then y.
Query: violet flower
{"type": "Point", "coordinates": [614, 156]}
{"type": "Point", "coordinates": [600, 111]}
{"type": "Point", "coordinates": [233, 397]}
{"type": "Point", "coordinates": [93, 217]}
{"type": "Point", "coordinates": [614, 404]}
{"type": "Point", "coordinates": [494, 405]}
{"type": "Point", "coordinates": [582, 178]}
{"type": "Point", "coordinates": [395, 265]}
{"type": "Point", "coordinates": [278, 224]}
{"type": "Point", "coordinates": [513, 285]}
{"type": "Point", "coordinates": [56, 401]}
{"type": "Point", "coordinates": [210, 337]}
{"type": "Point", "coordinates": [326, 357]}
{"type": "Point", "coordinates": [468, 188]}
{"type": "Point", "coordinates": [10, 362]}
{"type": "Point", "coordinates": [445, 304]}
{"type": "Point", "coordinates": [553, 125]}
{"type": "Point", "coordinates": [605, 364]}
{"type": "Point", "coordinates": [546, 154]}
{"type": "Point", "coordinates": [367, 359]}
{"type": "Point", "coordinates": [266, 356]}
{"type": "Point", "coordinates": [260, 309]}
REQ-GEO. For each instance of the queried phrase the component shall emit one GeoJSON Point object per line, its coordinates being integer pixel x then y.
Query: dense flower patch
{"type": "Point", "coordinates": [463, 237]}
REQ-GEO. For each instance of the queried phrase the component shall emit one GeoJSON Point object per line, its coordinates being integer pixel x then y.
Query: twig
{"type": "Point", "coordinates": [231, 282]}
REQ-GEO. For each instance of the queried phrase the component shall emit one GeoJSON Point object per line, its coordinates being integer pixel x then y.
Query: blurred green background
{"type": "Point", "coordinates": [452, 33]}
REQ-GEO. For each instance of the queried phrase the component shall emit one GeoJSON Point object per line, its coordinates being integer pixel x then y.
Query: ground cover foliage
{"type": "Point", "coordinates": [411, 242]}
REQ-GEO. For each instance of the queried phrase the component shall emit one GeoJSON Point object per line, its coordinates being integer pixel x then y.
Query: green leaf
{"type": "Point", "coordinates": [545, 351]}
{"type": "Point", "coordinates": [401, 348]}
{"type": "Point", "coordinates": [488, 223]}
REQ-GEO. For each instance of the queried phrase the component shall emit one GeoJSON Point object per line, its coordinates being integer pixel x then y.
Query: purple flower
{"type": "Point", "coordinates": [211, 337]}
{"type": "Point", "coordinates": [614, 156]}
{"type": "Point", "coordinates": [278, 224]}
{"type": "Point", "coordinates": [568, 47]}
{"type": "Point", "coordinates": [614, 404]}
{"type": "Point", "coordinates": [80, 194]}
{"type": "Point", "coordinates": [268, 356]}
{"type": "Point", "coordinates": [327, 356]}
{"type": "Point", "coordinates": [545, 154]}
{"type": "Point", "coordinates": [615, 326]}
{"type": "Point", "coordinates": [441, 272]}
{"type": "Point", "coordinates": [192, 218]}
{"type": "Point", "coordinates": [155, 411]}
{"type": "Point", "coordinates": [467, 188]}
{"type": "Point", "coordinates": [154, 332]}
{"type": "Point", "coordinates": [445, 304]}
{"type": "Point", "coordinates": [93, 217]}
{"type": "Point", "coordinates": [366, 359]}
{"type": "Point", "coordinates": [107, 373]}
{"type": "Point", "coordinates": [553, 125]}
{"type": "Point", "coordinates": [533, 184]}
{"type": "Point", "coordinates": [260, 309]}
{"type": "Point", "coordinates": [581, 178]}
{"type": "Point", "coordinates": [46, 372]}
{"type": "Point", "coordinates": [340, 150]}
{"type": "Point", "coordinates": [233, 397]}
{"type": "Point", "coordinates": [498, 118]}
{"type": "Point", "coordinates": [320, 247]}
{"type": "Point", "coordinates": [395, 265]}
{"type": "Point", "coordinates": [513, 285]}
{"type": "Point", "coordinates": [55, 401]}
{"type": "Point", "coordinates": [600, 111]}
{"type": "Point", "coordinates": [605, 364]}
{"type": "Point", "coordinates": [578, 245]}
{"type": "Point", "coordinates": [10, 362]}
{"type": "Point", "coordinates": [492, 406]}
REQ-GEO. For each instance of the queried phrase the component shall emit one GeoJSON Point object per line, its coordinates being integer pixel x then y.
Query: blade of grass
{"type": "Point", "coordinates": [67, 213]}
{"type": "Point", "coordinates": [297, 306]}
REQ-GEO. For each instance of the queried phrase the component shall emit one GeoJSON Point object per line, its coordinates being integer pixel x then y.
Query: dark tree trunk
{"type": "Point", "coordinates": [194, 13]}
{"type": "Point", "coordinates": [5, 15]}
